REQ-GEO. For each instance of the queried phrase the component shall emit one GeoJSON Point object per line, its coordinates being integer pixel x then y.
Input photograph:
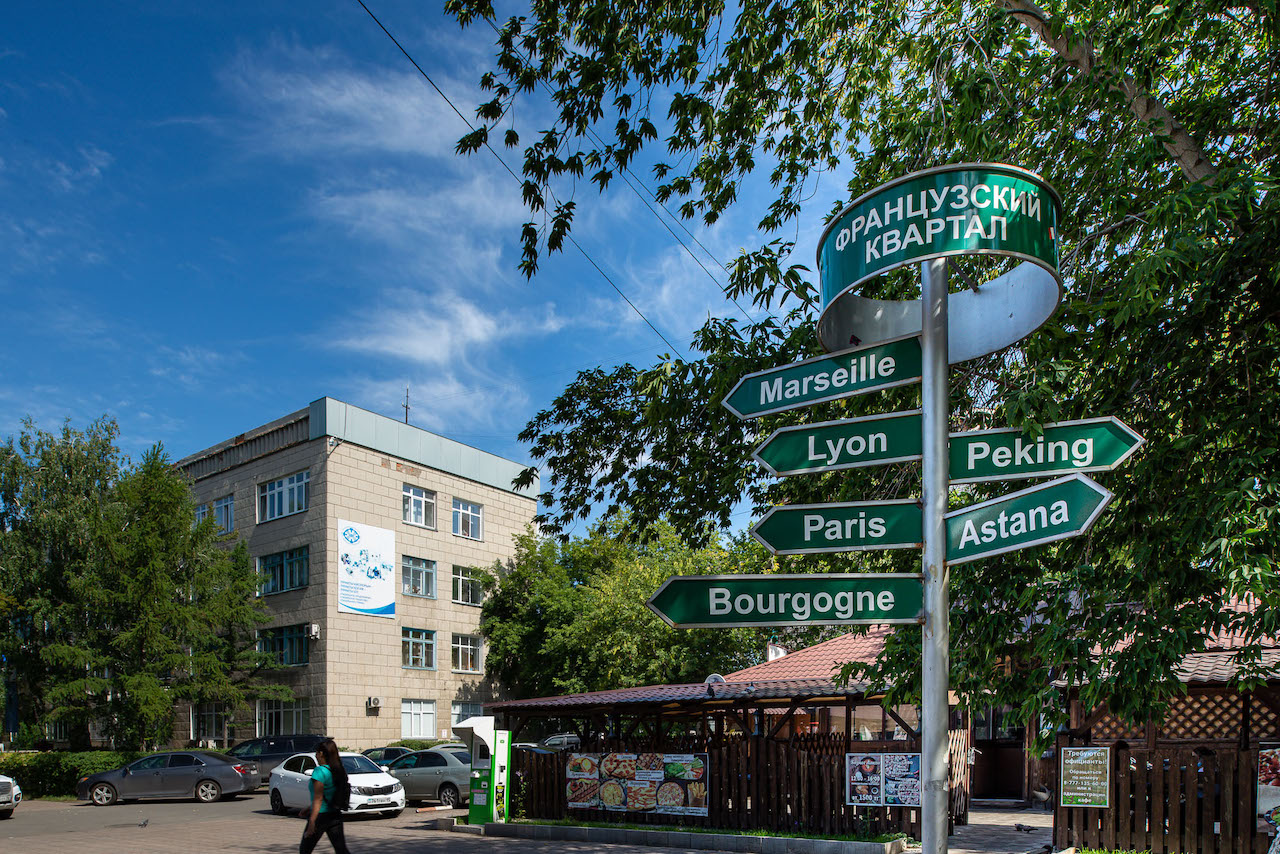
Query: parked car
{"type": "Point", "coordinates": [437, 774]}
{"type": "Point", "coordinates": [383, 755]}
{"type": "Point", "coordinates": [269, 752]}
{"type": "Point", "coordinates": [10, 796]}
{"type": "Point", "coordinates": [562, 741]}
{"type": "Point", "coordinates": [535, 749]}
{"type": "Point", "coordinates": [200, 774]}
{"type": "Point", "coordinates": [372, 789]}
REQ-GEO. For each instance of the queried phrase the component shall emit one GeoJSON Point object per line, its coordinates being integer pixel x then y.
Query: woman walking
{"type": "Point", "coordinates": [330, 792]}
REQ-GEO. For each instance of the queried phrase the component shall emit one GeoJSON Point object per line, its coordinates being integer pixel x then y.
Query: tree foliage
{"type": "Point", "coordinates": [1158, 123]}
{"type": "Point", "coordinates": [571, 617]}
{"type": "Point", "coordinates": [117, 604]}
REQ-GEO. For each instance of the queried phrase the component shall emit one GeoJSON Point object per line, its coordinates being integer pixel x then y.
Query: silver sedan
{"type": "Point", "coordinates": [436, 774]}
{"type": "Point", "coordinates": [200, 774]}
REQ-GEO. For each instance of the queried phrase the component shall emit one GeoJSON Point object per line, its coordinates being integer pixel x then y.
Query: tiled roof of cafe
{"type": "Point", "coordinates": [821, 660]}
{"type": "Point", "coordinates": [690, 694]}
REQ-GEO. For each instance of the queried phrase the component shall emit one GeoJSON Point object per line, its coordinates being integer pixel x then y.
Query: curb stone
{"type": "Point", "coordinates": [683, 839]}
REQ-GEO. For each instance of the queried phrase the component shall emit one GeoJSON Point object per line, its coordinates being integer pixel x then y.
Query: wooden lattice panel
{"type": "Point", "coordinates": [1111, 728]}
{"type": "Point", "coordinates": [1206, 717]}
{"type": "Point", "coordinates": [1265, 721]}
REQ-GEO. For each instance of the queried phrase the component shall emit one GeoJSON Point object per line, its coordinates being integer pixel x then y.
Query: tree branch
{"type": "Point", "coordinates": [1078, 51]}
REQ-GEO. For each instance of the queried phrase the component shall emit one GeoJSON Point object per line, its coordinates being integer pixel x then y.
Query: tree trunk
{"type": "Point", "coordinates": [1079, 52]}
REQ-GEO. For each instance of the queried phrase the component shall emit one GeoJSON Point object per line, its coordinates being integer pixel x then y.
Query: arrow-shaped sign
{"type": "Point", "coordinates": [731, 601]}
{"type": "Point", "coordinates": [1093, 444]}
{"type": "Point", "coordinates": [1061, 508]}
{"type": "Point", "coordinates": [845, 374]}
{"type": "Point", "coordinates": [800, 529]}
{"type": "Point", "coordinates": [831, 445]}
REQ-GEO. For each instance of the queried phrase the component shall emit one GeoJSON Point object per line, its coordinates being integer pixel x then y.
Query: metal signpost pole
{"type": "Point", "coordinates": [937, 627]}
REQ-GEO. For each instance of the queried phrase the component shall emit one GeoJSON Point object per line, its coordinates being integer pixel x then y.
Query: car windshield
{"type": "Point", "coordinates": [248, 748]}
{"type": "Point", "coordinates": [359, 765]}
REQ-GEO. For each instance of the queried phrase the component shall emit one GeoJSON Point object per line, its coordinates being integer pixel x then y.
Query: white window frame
{"type": "Point", "coordinates": [417, 718]}
{"type": "Point", "coordinates": [466, 586]}
{"type": "Point", "coordinates": [410, 639]}
{"type": "Point", "coordinates": [283, 717]}
{"type": "Point", "coordinates": [427, 571]}
{"type": "Point", "coordinates": [468, 519]}
{"type": "Point", "coordinates": [284, 496]}
{"type": "Point", "coordinates": [417, 501]}
{"type": "Point", "coordinates": [461, 711]}
{"type": "Point", "coordinates": [469, 645]}
{"type": "Point", "coordinates": [209, 723]}
{"type": "Point", "coordinates": [224, 513]}
{"type": "Point", "coordinates": [202, 510]}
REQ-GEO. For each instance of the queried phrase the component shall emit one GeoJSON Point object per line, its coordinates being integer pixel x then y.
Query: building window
{"type": "Point", "coordinates": [462, 711]}
{"type": "Point", "coordinates": [418, 576]}
{"type": "Point", "coordinates": [209, 723]}
{"type": "Point", "coordinates": [224, 513]}
{"type": "Point", "coordinates": [202, 510]}
{"type": "Point", "coordinates": [56, 731]}
{"type": "Point", "coordinates": [467, 519]}
{"type": "Point", "coordinates": [284, 497]}
{"type": "Point", "coordinates": [284, 717]}
{"type": "Point", "coordinates": [466, 653]}
{"type": "Point", "coordinates": [417, 719]}
{"type": "Point", "coordinates": [286, 570]}
{"type": "Point", "coordinates": [287, 643]}
{"type": "Point", "coordinates": [467, 589]}
{"type": "Point", "coordinates": [419, 506]}
{"type": "Point", "coordinates": [417, 648]}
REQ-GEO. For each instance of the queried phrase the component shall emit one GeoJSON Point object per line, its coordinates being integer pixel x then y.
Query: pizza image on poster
{"type": "Point", "coordinates": [864, 780]}
{"type": "Point", "coordinates": [683, 789]}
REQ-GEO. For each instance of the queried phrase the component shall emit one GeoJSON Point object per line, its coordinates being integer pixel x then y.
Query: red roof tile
{"type": "Point", "coordinates": [820, 661]}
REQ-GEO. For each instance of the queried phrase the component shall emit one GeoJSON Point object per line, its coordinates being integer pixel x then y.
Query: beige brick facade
{"type": "Point", "coordinates": [356, 657]}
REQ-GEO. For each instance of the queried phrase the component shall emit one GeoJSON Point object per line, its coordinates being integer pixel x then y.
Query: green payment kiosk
{"type": "Point", "coordinates": [490, 768]}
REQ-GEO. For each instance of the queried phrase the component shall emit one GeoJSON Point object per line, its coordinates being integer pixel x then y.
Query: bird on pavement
{"type": "Point", "coordinates": [1023, 827]}
{"type": "Point", "coordinates": [144, 822]}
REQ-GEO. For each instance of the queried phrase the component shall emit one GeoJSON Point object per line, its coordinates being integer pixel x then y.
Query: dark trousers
{"type": "Point", "coordinates": [326, 823]}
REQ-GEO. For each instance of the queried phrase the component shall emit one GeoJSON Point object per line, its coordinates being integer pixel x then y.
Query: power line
{"type": "Point", "coordinates": [624, 171]}
{"type": "Point", "coordinates": [504, 165]}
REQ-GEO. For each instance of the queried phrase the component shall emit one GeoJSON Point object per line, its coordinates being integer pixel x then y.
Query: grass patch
{"type": "Point", "coordinates": [54, 799]}
{"type": "Point", "coordinates": [840, 837]}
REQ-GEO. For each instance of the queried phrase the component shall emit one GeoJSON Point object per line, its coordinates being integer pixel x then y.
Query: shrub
{"type": "Point", "coordinates": [45, 773]}
{"type": "Point", "coordinates": [422, 743]}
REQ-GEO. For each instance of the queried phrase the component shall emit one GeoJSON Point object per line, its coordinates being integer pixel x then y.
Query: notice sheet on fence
{"type": "Point", "coordinates": [1086, 777]}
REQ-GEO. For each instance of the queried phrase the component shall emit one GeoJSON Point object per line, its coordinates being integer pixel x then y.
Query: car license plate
{"type": "Point", "coordinates": [379, 800]}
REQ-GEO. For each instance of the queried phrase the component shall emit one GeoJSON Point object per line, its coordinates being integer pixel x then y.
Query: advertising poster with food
{"type": "Point", "coordinates": [668, 783]}
{"type": "Point", "coordinates": [864, 781]}
{"type": "Point", "coordinates": [582, 784]}
{"type": "Point", "coordinates": [901, 779]}
{"type": "Point", "coordinates": [1269, 788]}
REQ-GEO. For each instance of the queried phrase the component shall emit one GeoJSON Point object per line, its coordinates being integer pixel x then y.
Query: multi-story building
{"type": "Point", "coordinates": [367, 533]}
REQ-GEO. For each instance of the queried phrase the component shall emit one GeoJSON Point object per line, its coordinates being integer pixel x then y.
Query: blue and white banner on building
{"type": "Point", "coordinates": [366, 570]}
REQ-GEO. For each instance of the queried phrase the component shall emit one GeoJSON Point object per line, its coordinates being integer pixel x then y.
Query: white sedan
{"type": "Point", "coordinates": [372, 789]}
{"type": "Point", "coordinates": [10, 796]}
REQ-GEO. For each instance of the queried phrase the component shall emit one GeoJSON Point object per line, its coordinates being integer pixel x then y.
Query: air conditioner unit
{"type": "Point", "coordinates": [313, 631]}
{"type": "Point", "coordinates": [374, 702]}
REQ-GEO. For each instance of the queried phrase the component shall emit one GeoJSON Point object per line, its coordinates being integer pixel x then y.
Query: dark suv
{"type": "Point", "coordinates": [270, 751]}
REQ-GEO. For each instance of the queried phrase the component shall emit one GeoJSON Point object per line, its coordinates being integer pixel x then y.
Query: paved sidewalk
{"type": "Point", "coordinates": [992, 831]}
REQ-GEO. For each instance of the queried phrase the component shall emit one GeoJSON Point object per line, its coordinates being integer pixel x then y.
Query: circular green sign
{"type": "Point", "coordinates": [964, 209]}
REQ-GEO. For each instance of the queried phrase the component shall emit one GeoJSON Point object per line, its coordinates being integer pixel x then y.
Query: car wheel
{"type": "Point", "coordinates": [449, 796]}
{"type": "Point", "coordinates": [9, 814]}
{"type": "Point", "coordinates": [208, 791]}
{"type": "Point", "coordinates": [277, 802]}
{"type": "Point", "coordinates": [102, 794]}
{"type": "Point", "coordinates": [394, 813]}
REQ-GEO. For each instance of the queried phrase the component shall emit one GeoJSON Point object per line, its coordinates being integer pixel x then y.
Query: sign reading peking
{"type": "Point", "coordinates": [1061, 508]}
{"type": "Point", "coordinates": [851, 443]}
{"type": "Point", "coordinates": [845, 374]}
{"type": "Point", "coordinates": [1093, 444]}
{"type": "Point", "coordinates": [798, 529]}
{"type": "Point", "coordinates": [733, 601]}
{"type": "Point", "coordinates": [966, 209]}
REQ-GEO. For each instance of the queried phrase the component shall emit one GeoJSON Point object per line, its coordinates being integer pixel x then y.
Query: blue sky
{"type": "Point", "coordinates": [212, 214]}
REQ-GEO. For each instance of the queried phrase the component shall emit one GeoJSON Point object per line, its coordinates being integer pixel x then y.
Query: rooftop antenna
{"type": "Point", "coordinates": [406, 404]}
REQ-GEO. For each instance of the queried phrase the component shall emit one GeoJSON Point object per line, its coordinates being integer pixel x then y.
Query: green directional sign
{"type": "Point", "coordinates": [845, 374]}
{"type": "Point", "coordinates": [732, 601]}
{"type": "Point", "coordinates": [1094, 444]}
{"type": "Point", "coordinates": [832, 445]}
{"type": "Point", "coordinates": [846, 527]}
{"type": "Point", "coordinates": [1061, 508]}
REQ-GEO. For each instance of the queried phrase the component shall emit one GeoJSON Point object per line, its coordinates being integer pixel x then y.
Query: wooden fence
{"type": "Point", "coordinates": [754, 783]}
{"type": "Point", "coordinates": [1187, 800]}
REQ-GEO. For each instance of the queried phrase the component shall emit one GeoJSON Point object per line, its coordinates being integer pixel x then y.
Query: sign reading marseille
{"type": "Point", "coordinates": [366, 570]}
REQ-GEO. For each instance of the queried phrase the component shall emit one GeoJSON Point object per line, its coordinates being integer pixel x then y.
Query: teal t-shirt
{"type": "Point", "coordinates": [323, 776]}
